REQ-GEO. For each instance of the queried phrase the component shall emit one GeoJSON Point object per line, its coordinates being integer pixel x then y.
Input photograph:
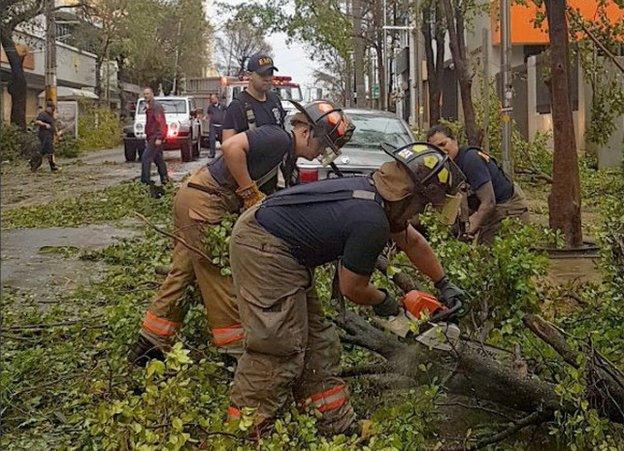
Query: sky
{"type": "Point", "coordinates": [292, 60]}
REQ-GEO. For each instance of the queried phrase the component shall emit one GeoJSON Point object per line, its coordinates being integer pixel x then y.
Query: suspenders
{"type": "Point", "coordinates": [325, 191]}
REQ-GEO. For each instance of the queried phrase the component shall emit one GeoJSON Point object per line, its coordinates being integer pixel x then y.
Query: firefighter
{"type": "Point", "coordinates": [289, 347]}
{"type": "Point", "coordinates": [492, 196]}
{"type": "Point", "coordinates": [251, 158]}
{"type": "Point", "coordinates": [256, 105]}
{"type": "Point", "coordinates": [216, 113]}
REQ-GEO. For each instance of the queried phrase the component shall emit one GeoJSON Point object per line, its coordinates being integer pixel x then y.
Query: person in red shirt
{"type": "Point", "coordinates": [155, 132]}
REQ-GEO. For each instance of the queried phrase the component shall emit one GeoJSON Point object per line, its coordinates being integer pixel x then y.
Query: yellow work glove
{"type": "Point", "coordinates": [250, 195]}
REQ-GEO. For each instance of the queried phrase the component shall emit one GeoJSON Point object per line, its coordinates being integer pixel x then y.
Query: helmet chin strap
{"type": "Point", "coordinates": [336, 169]}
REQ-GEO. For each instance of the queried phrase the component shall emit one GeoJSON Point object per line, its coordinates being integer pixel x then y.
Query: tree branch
{"type": "Point", "coordinates": [172, 236]}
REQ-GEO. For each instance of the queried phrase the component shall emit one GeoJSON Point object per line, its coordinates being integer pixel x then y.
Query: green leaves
{"type": "Point", "coordinates": [110, 204]}
{"type": "Point", "coordinates": [216, 242]}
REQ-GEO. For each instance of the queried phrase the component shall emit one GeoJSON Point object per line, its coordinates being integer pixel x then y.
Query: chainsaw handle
{"type": "Point", "coordinates": [447, 313]}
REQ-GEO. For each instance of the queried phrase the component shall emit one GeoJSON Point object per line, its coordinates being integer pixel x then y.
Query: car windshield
{"type": "Point", "coordinates": [173, 106]}
{"type": "Point", "coordinates": [288, 93]}
{"type": "Point", "coordinates": [371, 131]}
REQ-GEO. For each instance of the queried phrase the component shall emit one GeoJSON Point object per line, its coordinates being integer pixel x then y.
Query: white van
{"type": "Point", "coordinates": [183, 128]}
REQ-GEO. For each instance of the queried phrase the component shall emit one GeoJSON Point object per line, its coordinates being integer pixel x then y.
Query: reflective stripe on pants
{"type": "Point", "coordinates": [330, 399]}
{"type": "Point", "coordinates": [160, 326]}
{"type": "Point", "coordinates": [226, 335]}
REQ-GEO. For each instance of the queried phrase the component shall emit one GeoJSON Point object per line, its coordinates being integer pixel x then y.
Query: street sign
{"type": "Point", "coordinates": [375, 91]}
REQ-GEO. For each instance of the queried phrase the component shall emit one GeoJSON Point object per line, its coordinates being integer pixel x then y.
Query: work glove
{"type": "Point", "coordinates": [451, 294]}
{"type": "Point", "coordinates": [388, 307]}
{"type": "Point", "coordinates": [250, 195]}
{"type": "Point", "coordinates": [143, 351]}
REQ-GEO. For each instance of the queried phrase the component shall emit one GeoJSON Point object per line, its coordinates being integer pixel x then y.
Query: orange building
{"type": "Point", "coordinates": [524, 30]}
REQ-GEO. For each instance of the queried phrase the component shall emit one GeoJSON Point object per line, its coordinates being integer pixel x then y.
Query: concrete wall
{"type": "Point", "coordinates": [543, 122]}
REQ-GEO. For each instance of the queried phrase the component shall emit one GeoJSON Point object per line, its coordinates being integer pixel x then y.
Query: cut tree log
{"type": "Point", "coordinates": [476, 370]}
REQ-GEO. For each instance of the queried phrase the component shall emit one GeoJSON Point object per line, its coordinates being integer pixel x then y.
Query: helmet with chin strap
{"type": "Point", "coordinates": [432, 171]}
{"type": "Point", "coordinates": [329, 124]}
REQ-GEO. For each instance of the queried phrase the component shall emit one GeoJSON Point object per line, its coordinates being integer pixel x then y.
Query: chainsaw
{"type": "Point", "coordinates": [437, 332]}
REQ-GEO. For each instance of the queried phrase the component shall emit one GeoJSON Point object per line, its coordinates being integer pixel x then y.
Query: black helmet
{"type": "Point", "coordinates": [435, 176]}
{"type": "Point", "coordinates": [329, 124]}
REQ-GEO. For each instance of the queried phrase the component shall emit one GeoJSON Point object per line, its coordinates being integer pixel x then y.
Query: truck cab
{"type": "Point", "coordinates": [183, 128]}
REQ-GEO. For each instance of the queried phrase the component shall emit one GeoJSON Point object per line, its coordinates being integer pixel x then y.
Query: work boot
{"type": "Point", "coordinates": [165, 181]}
{"type": "Point", "coordinates": [156, 191]}
{"type": "Point", "coordinates": [53, 165]}
{"type": "Point", "coordinates": [143, 351]}
{"type": "Point", "coordinates": [35, 162]}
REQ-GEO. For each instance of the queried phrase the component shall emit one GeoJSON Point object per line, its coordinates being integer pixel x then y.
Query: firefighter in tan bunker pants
{"type": "Point", "coordinates": [202, 201]}
{"type": "Point", "coordinates": [290, 349]}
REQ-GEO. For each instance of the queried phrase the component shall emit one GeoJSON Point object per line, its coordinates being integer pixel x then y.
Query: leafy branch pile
{"type": "Point", "coordinates": [65, 381]}
{"type": "Point", "coordinates": [114, 203]}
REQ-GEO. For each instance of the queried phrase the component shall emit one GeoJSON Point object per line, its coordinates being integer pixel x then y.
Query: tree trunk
{"type": "Point", "coordinates": [17, 87]}
{"type": "Point", "coordinates": [476, 370]}
{"type": "Point", "coordinates": [455, 26]}
{"type": "Point", "coordinates": [564, 202]}
{"type": "Point", "coordinates": [381, 76]}
{"type": "Point", "coordinates": [435, 63]}
{"type": "Point", "coordinates": [358, 55]}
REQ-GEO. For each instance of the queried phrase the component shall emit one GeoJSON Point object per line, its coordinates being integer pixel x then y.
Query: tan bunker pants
{"type": "Point", "coordinates": [289, 347]}
{"type": "Point", "coordinates": [193, 210]}
{"type": "Point", "coordinates": [516, 207]}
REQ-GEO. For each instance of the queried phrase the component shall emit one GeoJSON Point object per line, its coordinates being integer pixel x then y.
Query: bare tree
{"type": "Point", "coordinates": [433, 30]}
{"type": "Point", "coordinates": [455, 16]}
{"type": "Point", "coordinates": [359, 53]}
{"type": "Point", "coordinates": [333, 77]}
{"type": "Point", "coordinates": [564, 201]}
{"type": "Point", "coordinates": [14, 13]}
{"type": "Point", "coordinates": [238, 40]}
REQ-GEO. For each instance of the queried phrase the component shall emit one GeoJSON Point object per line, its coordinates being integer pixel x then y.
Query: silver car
{"type": "Point", "coordinates": [363, 154]}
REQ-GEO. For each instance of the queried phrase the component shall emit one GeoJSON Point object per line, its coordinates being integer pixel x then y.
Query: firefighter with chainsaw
{"type": "Point", "coordinates": [289, 347]}
{"type": "Point", "coordinates": [227, 184]}
{"type": "Point", "coordinates": [492, 195]}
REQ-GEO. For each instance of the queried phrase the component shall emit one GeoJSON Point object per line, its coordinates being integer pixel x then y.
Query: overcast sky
{"type": "Point", "coordinates": [292, 60]}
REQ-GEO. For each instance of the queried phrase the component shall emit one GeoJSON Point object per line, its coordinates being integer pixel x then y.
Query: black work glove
{"type": "Point", "coordinates": [388, 307]}
{"type": "Point", "coordinates": [450, 293]}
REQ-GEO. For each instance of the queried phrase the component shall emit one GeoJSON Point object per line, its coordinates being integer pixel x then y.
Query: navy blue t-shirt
{"type": "Point", "coordinates": [479, 168]}
{"type": "Point", "coordinates": [354, 230]}
{"type": "Point", "coordinates": [268, 112]}
{"type": "Point", "coordinates": [268, 145]}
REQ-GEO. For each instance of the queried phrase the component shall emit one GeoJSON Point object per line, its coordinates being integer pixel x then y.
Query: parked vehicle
{"type": "Point", "coordinates": [184, 129]}
{"type": "Point", "coordinates": [363, 154]}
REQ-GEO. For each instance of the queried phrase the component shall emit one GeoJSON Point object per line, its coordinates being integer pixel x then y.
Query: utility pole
{"type": "Point", "coordinates": [177, 58]}
{"type": "Point", "coordinates": [417, 66]}
{"type": "Point", "coordinates": [412, 79]}
{"type": "Point", "coordinates": [386, 58]}
{"type": "Point", "coordinates": [507, 93]}
{"type": "Point", "coordinates": [50, 53]}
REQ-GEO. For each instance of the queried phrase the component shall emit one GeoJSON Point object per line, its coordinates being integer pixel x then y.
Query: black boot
{"type": "Point", "coordinates": [35, 162]}
{"type": "Point", "coordinates": [143, 351]}
{"type": "Point", "coordinates": [156, 191]}
{"type": "Point", "coordinates": [53, 165]}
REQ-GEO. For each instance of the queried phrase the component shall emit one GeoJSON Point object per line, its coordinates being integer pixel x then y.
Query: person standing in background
{"type": "Point", "coordinates": [155, 133]}
{"type": "Point", "coordinates": [47, 130]}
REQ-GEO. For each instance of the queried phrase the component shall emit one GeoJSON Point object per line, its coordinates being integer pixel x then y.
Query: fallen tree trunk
{"type": "Point", "coordinates": [473, 369]}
